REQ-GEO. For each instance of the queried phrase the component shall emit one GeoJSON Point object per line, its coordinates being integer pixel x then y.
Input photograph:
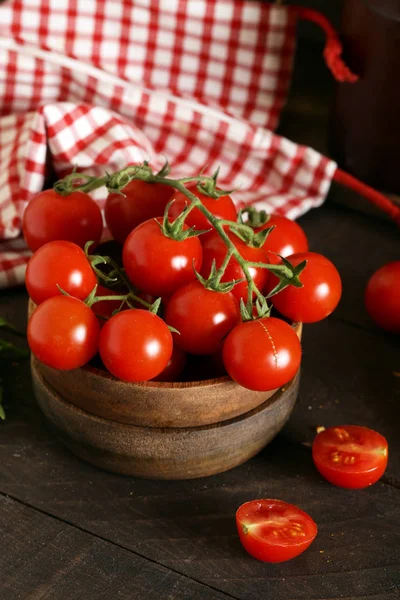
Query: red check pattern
{"type": "Point", "coordinates": [100, 84]}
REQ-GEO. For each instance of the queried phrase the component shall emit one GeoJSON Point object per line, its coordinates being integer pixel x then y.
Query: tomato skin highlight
{"type": "Point", "coordinates": [320, 294]}
{"type": "Point", "coordinates": [63, 333]}
{"type": "Point", "coordinates": [59, 263]}
{"type": "Point", "coordinates": [135, 345]}
{"type": "Point", "coordinates": [350, 456]}
{"type": "Point", "coordinates": [202, 317]}
{"type": "Point", "coordinates": [141, 201]}
{"type": "Point", "coordinates": [286, 238]}
{"type": "Point", "coordinates": [262, 355]}
{"type": "Point", "coordinates": [222, 208]}
{"type": "Point", "coordinates": [274, 531]}
{"type": "Point", "coordinates": [157, 264]}
{"type": "Point", "coordinates": [214, 248]}
{"type": "Point", "coordinates": [382, 297]}
{"type": "Point", "coordinates": [49, 217]}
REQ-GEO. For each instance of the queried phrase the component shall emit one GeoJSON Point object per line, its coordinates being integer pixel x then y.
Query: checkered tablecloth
{"type": "Point", "coordinates": [104, 83]}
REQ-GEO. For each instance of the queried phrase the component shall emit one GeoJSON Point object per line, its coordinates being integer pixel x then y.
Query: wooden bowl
{"type": "Point", "coordinates": [164, 453]}
{"type": "Point", "coordinates": [153, 404]}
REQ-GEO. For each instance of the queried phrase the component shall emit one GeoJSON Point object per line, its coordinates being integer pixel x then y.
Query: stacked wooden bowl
{"type": "Point", "coordinates": [160, 430]}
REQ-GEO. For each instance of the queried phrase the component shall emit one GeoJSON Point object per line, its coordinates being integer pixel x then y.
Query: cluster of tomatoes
{"type": "Point", "coordinates": [75, 319]}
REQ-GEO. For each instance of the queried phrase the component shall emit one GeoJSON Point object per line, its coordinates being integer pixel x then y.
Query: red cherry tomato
{"type": "Point", "coordinates": [382, 297]}
{"type": "Point", "coordinates": [223, 208]}
{"type": "Point", "coordinates": [320, 294]}
{"type": "Point", "coordinates": [350, 456]}
{"type": "Point", "coordinates": [286, 238]}
{"type": "Point", "coordinates": [63, 333]}
{"type": "Point", "coordinates": [202, 317]}
{"type": "Point", "coordinates": [274, 531]}
{"type": "Point", "coordinates": [50, 216]}
{"type": "Point", "coordinates": [105, 308]}
{"type": "Point", "coordinates": [214, 248]}
{"type": "Point", "coordinates": [141, 201]}
{"type": "Point", "coordinates": [263, 354]}
{"type": "Point", "coordinates": [175, 366]}
{"type": "Point", "coordinates": [59, 263]}
{"type": "Point", "coordinates": [157, 264]}
{"type": "Point", "coordinates": [135, 345]}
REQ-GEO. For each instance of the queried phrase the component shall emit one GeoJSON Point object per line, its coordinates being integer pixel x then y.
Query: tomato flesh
{"type": "Point", "coordinates": [59, 263]}
{"type": "Point", "coordinates": [262, 355]}
{"type": "Point", "coordinates": [63, 333]}
{"type": "Point", "coordinates": [274, 531]}
{"type": "Point", "coordinates": [382, 297]}
{"type": "Point", "coordinates": [350, 456]}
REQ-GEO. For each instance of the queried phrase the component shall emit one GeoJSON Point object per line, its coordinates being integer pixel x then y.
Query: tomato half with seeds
{"type": "Point", "coordinates": [63, 333]}
{"type": "Point", "coordinates": [350, 456]}
{"type": "Point", "coordinates": [286, 238]}
{"type": "Point", "coordinates": [157, 264]}
{"type": "Point", "coordinates": [274, 531]}
{"type": "Point", "coordinates": [50, 216]}
{"type": "Point", "coordinates": [222, 207]}
{"type": "Point", "coordinates": [135, 345]}
{"type": "Point", "coordinates": [138, 202]}
{"type": "Point", "coordinates": [214, 248]}
{"type": "Point", "coordinates": [59, 263]}
{"type": "Point", "coordinates": [202, 317]}
{"type": "Point", "coordinates": [320, 294]}
{"type": "Point", "coordinates": [263, 354]}
{"type": "Point", "coordinates": [382, 297]}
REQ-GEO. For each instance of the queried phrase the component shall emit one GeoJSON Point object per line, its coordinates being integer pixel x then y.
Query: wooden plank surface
{"type": "Point", "coordinates": [189, 526]}
{"type": "Point", "coordinates": [44, 559]}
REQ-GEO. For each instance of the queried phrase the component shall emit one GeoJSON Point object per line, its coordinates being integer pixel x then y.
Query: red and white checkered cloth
{"type": "Point", "coordinates": [100, 84]}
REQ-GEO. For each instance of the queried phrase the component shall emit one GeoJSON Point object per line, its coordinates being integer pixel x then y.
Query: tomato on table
{"type": "Point", "coordinates": [222, 208]}
{"type": "Point", "coordinates": [214, 248]}
{"type": "Point", "coordinates": [63, 333]}
{"type": "Point", "coordinates": [320, 294]}
{"type": "Point", "coordinates": [138, 202]}
{"type": "Point", "coordinates": [274, 531]}
{"type": "Point", "coordinates": [382, 297]}
{"type": "Point", "coordinates": [157, 264]}
{"type": "Point", "coordinates": [50, 216]}
{"type": "Point", "coordinates": [263, 354]}
{"type": "Point", "coordinates": [286, 238]}
{"type": "Point", "coordinates": [350, 456]}
{"type": "Point", "coordinates": [135, 345]}
{"type": "Point", "coordinates": [202, 317]}
{"type": "Point", "coordinates": [59, 263]}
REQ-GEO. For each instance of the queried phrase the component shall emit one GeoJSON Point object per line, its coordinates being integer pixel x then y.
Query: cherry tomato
{"type": "Point", "coordinates": [382, 297]}
{"type": "Point", "coordinates": [141, 201]}
{"type": "Point", "coordinates": [286, 238]}
{"type": "Point", "coordinates": [63, 333]}
{"type": "Point", "coordinates": [59, 263]}
{"type": "Point", "coordinates": [105, 308]}
{"type": "Point", "coordinates": [350, 456]}
{"type": "Point", "coordinates": [263, 354]}
{"type": "Point", "coordinates": [202, 317]}
{"type": "Point", "coordinates": [50, 216]}
{"type": "Point", "coordinates": [274, 531]}
{"type": "Point", "coordinates": [175, 366]}
{"type": "Point", "coordinates": [320, 294]}
{"type": "Point", "coordinates": [214, 248]}
{"type": "Point", "coordinates": [155, 263]}
{"type": "Point", "coordinates": [223, 208]}
{"type": "Point", "coordinates": [135, 345]}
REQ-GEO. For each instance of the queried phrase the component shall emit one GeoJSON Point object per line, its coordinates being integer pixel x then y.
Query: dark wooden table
{"type": "Point", "coordinates": [69, 531]}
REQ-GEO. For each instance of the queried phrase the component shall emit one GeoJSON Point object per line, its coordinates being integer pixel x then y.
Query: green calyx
{"type": "Point", "coordinates": [288, 277]}
{"type": "Point", "coordinates": [175, 230]}
{"type": "Point", "coordinates": [208, 186]}
{"type": "Point", "coordinates": [249, 236]}
{"type": "Point", "coordinates": [255, 218]}
{"type": "Point", "coordinates": [213, 281]}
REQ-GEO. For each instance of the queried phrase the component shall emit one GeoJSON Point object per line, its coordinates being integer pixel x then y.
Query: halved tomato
{"type": "Point", "coordinates": [274, 531]}
{"type": "Point", "coordinates": [350, 456]}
